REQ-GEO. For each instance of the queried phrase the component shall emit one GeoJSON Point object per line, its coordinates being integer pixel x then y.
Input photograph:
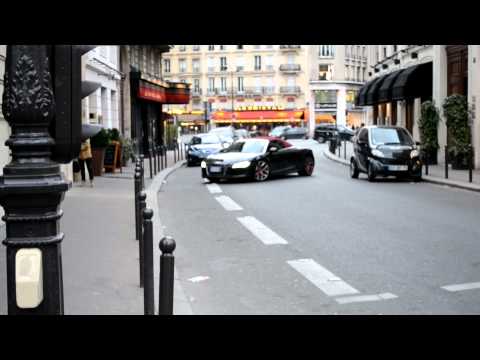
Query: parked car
{"type": "Point", "coordinates": [241, 134]}
{"type": "Point", "coordinates": [202, 145]}
{"type": "Point", "coordinates": [324, 132]}
{"type": "Point", "coordinates": [385, 151]}
{"type": "Point", "coordinates": [258, 159]}
{"type": "Point", "coordinates": [227, 132]}
{"type": "Point", "coordinates": [288, 132]}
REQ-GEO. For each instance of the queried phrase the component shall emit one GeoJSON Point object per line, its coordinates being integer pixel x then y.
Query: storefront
{"type": "Point", "coordinates": [148, 94]}
{"type": "Point", "coordinates": [255, 117]}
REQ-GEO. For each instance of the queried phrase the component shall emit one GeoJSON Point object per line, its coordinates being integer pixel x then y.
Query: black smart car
{"type": "Point", "coordinates": [385, 151]}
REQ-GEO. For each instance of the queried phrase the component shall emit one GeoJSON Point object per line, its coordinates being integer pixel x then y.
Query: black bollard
{"type": "Point", "coordinates": [150, 163]}
{"type": "Point", "coordinates": [142, 197]}
{"type": "Point", "coordinates": [142, 166]}
{"type": "Point", "coordinates": [167, 265]}
{"type": "Point", "coordinates": [345, 149]}
{"type": "Point", "coordinates": [138, 185]}
{"type": "Point", "coordinates": [446, 162]}
{"type": "Point", "coordinates": [154, 152]}
{"type": "Point", "coordinates": [166, 156]}
{"type": "Point", "coordinates": [174, 153]}
{"type": "Point", "coordinates": [148, 284]}
{"type": "Point", "coordinates": [158, 158]}
{"type": "Point", "coordinates": [470, 163]}
{"type": "Point", "coordinates": [161, 157]}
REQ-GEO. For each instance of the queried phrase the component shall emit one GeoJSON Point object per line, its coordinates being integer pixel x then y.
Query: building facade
{"type": "Point", "coordinates": [336, 75]}
{"type": "Point", "coordinates": [102, 66]}
{"type": "Point", "coordinates": [404, 76]}
{"type": "Point", "coordinates": [244, 85]}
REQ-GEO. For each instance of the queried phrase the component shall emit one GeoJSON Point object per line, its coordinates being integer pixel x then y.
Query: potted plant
{"type": "Point", "coordinates": [457, 114]}
{"type": "Point", "coordinates": [99, 143]}
{"type": "Point", "coordinates": [127, 151]}
{"type": "Point", "coordinates": [428, 126]}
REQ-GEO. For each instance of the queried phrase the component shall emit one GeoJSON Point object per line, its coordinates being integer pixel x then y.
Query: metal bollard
{"type": "Point", "coordinates": [154, 152]}
{"type": "Point", "coordinates": [446, 162]}
{"type": "Point", "coordinates": [166, 156]}
{"type": "Point", "coordinates": [426, 167]}
{"type": "Point", "coordinates": [148, 284]}
{"type": "Point", "coordinates": [470, 163]}
{"type": "Point", "coordinates": [161, 157]}
{"type": "Point", "coordinates": [138, 184]}
{"type": "Point", "coordinates": [142, 197]}
{"type": "Point", "coordinates": [174, 154]}
{"type": "Point", "coordinates": [159, 154]}
{"type": "Point", "coordinates": [167, 263]}
{"type": "Point", "coordinates": [150, 163]}
{"type": "Point", "coordinates": [345, 149]}
{"type": "Point", "coordinates": [142, 166]}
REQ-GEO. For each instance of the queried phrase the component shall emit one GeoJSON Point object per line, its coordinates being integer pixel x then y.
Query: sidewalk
{"type": "Point", "coordinates": [99, 252]}
{"type": "Point", "coordinates": [436, 173]}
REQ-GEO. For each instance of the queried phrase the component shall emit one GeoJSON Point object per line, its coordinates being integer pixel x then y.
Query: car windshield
{"type": "Point", "coordinates": [251, 146]}
{"type": "Point", "coordinates": [390, 136]}
{"type": "Point", "coordinates": [207, 139]}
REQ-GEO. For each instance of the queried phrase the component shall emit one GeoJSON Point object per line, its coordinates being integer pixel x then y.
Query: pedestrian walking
{"type": "Point", "coordinates": [85, 158]}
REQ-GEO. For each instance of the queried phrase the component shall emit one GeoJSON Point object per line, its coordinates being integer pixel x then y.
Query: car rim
{"type": "Point", "coordinates": [352, 168]}
{"type": "Point", "coordinates": [309, 166]}
{"type": "Point", "coordinates": [262, 171]}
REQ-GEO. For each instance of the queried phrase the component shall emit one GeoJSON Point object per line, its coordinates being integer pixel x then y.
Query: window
{"type": "Point", "coordinates": [196, 85]}
{"type": "Point", "coordinates": [395, 47]}
{"type": "Point", "coordinates": [269, 62]}
{"type": "Point", "coordinates": [363, 74]}
{"type": "Point", "coordinates": [240, 83]}
{"type": "Point", "coordinates": [166, 65]}
{"type": "Point", "coordinates": [211, 47]}
{"type": "Point", "coordinates": [323, 72]}
{"type": "Point", "coordinates": [269, 46]}
{"type": "Point", "coordinates": [240, 63]}
{"type": "Point", "coordinates": [211, 84]}
{"type": "Point", "coordinates": [239, 47]}
{"type": "Point", "coordinates": [290, 59]}
{"type": "Point", "coordinates": [347, 52]}
{"type": "Point", "coordinates": [211, 64]}
{"type": "Point", "coordinates": [182, 65]}
{"type": "Point", "coordinates": [258, 62]}
{"type": "Point", "coordinates": [364, 52]}
{"type": "Point", "coordinates": [290, 81]}
{"type": "Point", "coordinates": [223, 63]}
{"type": "Point", "coordinates": [196, 47]}
{"type": "Point", "coordinates": [258, 85]}
{"type": "Point", "coordinates": [196, 65]}
{"type": "Point", "coordinates": [269, 88]}
{"type": "Point", "coordinates": [326, 51]}
{"type": "Point", "coordinates": [257, 46]}
{"type": "Point", "coordinates": [358, 52]}
{"type": "Point", "coordinates": [182, 48]}
{"type": "Point", "coordinates": [222, 47]}
{"type": "Point", "coordinates": [223, 84]}
{"type": "Point", "coordinates": [363, 136]}
{"type": "Point", "coordinates": [347, 72]}
{"type": "Point", "coordinates": [358, 73]}
{"type": "Point", "coordinates": [384, 52]}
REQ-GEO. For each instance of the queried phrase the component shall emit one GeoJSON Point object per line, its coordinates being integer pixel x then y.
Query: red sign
{"type": "Point", "coordinates": [149, 93]}
{"type": "Point", "coordinates": [245, 115]}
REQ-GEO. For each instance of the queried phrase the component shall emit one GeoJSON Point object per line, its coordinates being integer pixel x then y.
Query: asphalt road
{"type": "Point", "coordinates": [343, 246]}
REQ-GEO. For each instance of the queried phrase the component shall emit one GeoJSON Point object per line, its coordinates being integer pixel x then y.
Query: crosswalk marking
{"type": "Point", "coordinates": [214, 188]}
{"type": "Point", "coordinates": [365, 298]}
{"type": "Point", "coordinates": [329, 283]}
{"type": "Point", "coordinates": [461, 287]}
{"type": "Point", "coordinates": [261, 231]}
{"type": "Point", "coordinates": [228, 203]}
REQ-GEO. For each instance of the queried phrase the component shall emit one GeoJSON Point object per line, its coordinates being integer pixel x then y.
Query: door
{"type": "Point", "coordinates": [277, 159]}
{"type": "Point", "coordinates": [409, 115]}
{"type": "Point", "coordinates": [361, 149]}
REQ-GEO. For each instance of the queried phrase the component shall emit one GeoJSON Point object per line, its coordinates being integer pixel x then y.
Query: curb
{"type": "Point", "coordinates": [181, 304]}
{"type": "Point", "coordinates": [425, 178]}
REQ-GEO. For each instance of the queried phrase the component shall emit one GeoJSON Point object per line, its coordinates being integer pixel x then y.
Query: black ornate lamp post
{"type": "Point", "coordinates": [32, 187]}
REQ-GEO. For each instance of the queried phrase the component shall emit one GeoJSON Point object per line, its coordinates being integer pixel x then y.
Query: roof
{"type": "Point", "coordinates": [271, 138]}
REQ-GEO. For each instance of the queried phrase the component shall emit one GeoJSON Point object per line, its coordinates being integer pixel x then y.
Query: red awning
{"type": "Point", "coordinates": [175, 93]}
{"type": "Point", "coordinates": [280, 115]}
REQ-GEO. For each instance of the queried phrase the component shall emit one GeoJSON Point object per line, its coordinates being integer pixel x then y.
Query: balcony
{"type": "Point", "coordinates": [288, 48]}
{"type": "Point", "coordinates": [196, 93]}
{"type": "Point", "coordinates": [290, 68]}
{"type": "Point", "coordinates": [211, 92]}
{"type": "Point", "coordinates": [290, 90]}
{"type": "Point", "coordinates": [268, 90]}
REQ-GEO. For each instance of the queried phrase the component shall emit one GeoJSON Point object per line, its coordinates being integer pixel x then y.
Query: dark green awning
{"type": "Point", "coordinates": [414, 82]}
{"type": "Point", "coordinates": [385, 91]}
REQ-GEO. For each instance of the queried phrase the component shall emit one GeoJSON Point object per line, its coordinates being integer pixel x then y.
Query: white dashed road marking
{"type": "Point", "coordinates": [214, 188]}
{"type": "Point", "coordinates": [461, 287]}
{"type": "Point", "coordinates": [329, 283]}
{"type": "Point", "coordinates": [262, 232]}
{"type": "Point", "coordinates": [365, 298]}
{"type": "Point", "coordinates": [228, 203]}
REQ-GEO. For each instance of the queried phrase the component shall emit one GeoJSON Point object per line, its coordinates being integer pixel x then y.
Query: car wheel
{"type": "Point", "coordinates": [354, 169]}
{"type": "Point", "coordinates": [321, 139]}
{"type": "Point", "coordinates": [262, 171]}
{"type": "Point", "coordinates": [371, 173]}
{"type": "Point", "coordinates": [212, 180]}
{"type": "Point", "coordinates": [308, 166]}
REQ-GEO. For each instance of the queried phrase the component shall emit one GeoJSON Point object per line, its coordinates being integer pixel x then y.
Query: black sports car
{"type": "Point", "coordinates": [258, 158]}
{"type": "Point", "coordinates": [201, 146]}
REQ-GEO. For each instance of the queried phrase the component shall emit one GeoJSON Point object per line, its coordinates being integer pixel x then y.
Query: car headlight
{"type": "Point", "coordinates": [203, 164]}
{"type": "Point", "coordinates": [241, 165]}
{"type": "Point", "coordinates": [414, 153]}
{"type": "Point", "coordinates": [378, 153]}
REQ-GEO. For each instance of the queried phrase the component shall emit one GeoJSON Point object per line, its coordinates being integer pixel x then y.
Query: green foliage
{"type": "Point", "coordinates": [101, 140]}
{"type": "Point", "coordinates": [455, 109]}
{"type": "Point", "coordinates": [428, 126]}
{"type": "Point", "coordinates": [114, 134]}
{"type": "Point", "coordinates": [127, 149]}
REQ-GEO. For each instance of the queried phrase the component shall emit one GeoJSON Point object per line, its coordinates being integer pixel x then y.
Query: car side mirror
{"type": "Point", "coordinates": [273, 149]}
{"type": "Point", "coordinates": [418, 143]}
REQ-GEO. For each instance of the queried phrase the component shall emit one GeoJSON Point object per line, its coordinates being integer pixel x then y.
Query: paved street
{"type": "Point", "coordinates": [323, 245]}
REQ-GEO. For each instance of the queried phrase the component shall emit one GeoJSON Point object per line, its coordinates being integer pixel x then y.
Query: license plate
{"type": "Point", "coordinates": [215, 169]}
{"type": "Point", "coordinates": [397, 167]}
